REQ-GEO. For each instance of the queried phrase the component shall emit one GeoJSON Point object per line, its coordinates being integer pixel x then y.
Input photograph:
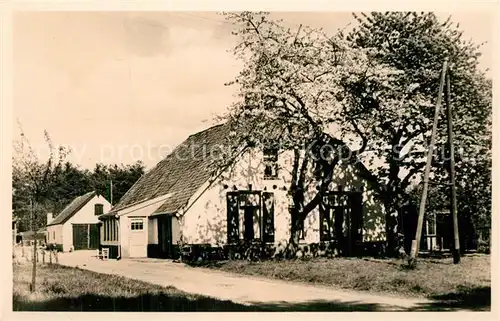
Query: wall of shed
{"type": "Point", "coordinates": [140, 210]}
{"type": "Point", "coordinates": [55, 234]}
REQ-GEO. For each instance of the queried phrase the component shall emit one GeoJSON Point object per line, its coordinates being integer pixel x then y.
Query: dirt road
{"type": "Point", "coordinates": [237, 288]}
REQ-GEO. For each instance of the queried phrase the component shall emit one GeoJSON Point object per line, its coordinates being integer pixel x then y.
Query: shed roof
{"type": "Point", "coordinates": [72, 208]}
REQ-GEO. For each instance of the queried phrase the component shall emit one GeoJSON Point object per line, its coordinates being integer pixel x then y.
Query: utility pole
{"type": "Point", "coordinates": [453, 205]}
{"type": "Point", "coordinates": [412, 262]}
{"type": "Point", "coordinates": [111, 192]}
{"type": "Point", "coordinates": [33, 275]}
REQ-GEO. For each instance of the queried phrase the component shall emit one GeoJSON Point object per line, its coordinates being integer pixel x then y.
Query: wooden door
{"type": "Point", "coordinates": [248, 223]}
{"type": "Point", "coordinates": [93, 237]}
{"type": "Point", "coordinates": [80, 236]}
{"type": "Point", "coordinates": [165, 235]}
{"type": "Point", "coordinates": [356, 222]}
{"type": "Point", "coordinates": [138, 237]}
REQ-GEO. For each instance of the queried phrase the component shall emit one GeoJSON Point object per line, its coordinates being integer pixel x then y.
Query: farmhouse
{"type": "Point", "coordinates": [187, 200]}
{"type": "Point", "coordinates": [76, 227]}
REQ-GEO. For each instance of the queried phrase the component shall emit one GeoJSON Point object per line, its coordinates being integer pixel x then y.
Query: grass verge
{"type": "Point", "coordinates": [61, 288]}
{"type": "Point", "coordinates": [467, 284]}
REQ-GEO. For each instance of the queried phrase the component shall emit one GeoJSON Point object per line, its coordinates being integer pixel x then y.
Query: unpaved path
{"type": "Point", "coordinates": [237, 288]}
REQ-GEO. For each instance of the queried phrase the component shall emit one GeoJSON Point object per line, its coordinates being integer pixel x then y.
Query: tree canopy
{"type": "Point", "coordinates": [416, 44]}
{"type": "Point", "coordinates": [372, 90]}
{"type": "Point", "coordinates": [51, 185]}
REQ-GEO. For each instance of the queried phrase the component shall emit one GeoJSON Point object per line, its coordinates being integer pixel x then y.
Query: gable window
{"type": "Point", "coordinates": [98, 209]}
{"type": "Point", "coordinates": [270, 163]}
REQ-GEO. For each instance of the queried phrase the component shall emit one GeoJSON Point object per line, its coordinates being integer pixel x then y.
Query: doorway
{"type": "Point", "coordinates": [341, 221]}
{"type": "Point", "coordinates": [138, 237]}
{"type": "Point", "coordinates": [250, 216]}
{"type": "Point", "coordinates": [85, 236]}
{"type": "Point", "coordinates": [165, 236]}
{"type": "Point", "coordinates": [249, 213]}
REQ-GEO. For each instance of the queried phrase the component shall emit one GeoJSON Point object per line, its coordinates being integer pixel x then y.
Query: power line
{"type": "Point", "coordinates": [217, 21]}
{"type": "Point", "coordinates": [196, 17]}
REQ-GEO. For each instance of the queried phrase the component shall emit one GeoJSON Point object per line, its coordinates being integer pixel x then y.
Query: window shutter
{"type": "Point", "coordinates": [233, 233]}
{"type": "Point", "coordinates": [268, 213]}
{"type": "Point", "coordinates": [324, 222]}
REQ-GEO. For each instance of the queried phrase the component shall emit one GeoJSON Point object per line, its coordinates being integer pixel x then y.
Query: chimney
{"type": "Point", "coordinates": [50, 217]}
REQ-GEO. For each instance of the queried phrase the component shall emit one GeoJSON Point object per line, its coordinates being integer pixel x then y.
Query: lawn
{"type": "Point", "coordinates": [62, 288]}
{"type": "Point", "coordinates": [467, 284]}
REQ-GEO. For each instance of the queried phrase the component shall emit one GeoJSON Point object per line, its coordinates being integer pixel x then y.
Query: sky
{"type": "Point", "coordinates": [117, 87]}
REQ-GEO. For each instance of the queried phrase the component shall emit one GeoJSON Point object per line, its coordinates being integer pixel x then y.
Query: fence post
{"type": "Point", "coordinates": [43, 256]}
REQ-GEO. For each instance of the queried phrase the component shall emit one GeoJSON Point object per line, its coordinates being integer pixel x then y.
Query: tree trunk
{"type": "Point", "coordinates": [391, 233]}
{"type": "Point", "coordinates": [293, 244]}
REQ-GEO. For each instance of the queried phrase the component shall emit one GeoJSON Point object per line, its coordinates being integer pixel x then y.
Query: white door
{"type": "Point", "coordinates": [138, 237]}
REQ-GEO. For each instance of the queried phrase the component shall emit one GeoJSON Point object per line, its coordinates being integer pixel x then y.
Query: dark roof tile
{"type": "Point", "coordinates": [181, 173]}
{"type": "Point", "coordinates": [72, 208]}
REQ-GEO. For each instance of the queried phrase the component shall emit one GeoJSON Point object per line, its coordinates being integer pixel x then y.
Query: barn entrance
{"type": "Point", "coordinates": [85, 236]}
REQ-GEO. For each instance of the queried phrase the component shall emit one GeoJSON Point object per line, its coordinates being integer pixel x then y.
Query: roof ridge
{"type": "Point", "coordinates": [72, 208]}
{"type": "Point", "coordinates": [207, 129]}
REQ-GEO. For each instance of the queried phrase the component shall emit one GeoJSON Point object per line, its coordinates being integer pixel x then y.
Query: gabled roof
{"type": "Point", "coordinates": [185, 170]}
{"type": "Point", "coordinates": [72, 208]}
{"type": "Point", "coordinates": [181, 173]}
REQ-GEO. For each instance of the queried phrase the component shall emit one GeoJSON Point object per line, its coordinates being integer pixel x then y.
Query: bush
{"type": "Point", "coordinates": [483, 247]}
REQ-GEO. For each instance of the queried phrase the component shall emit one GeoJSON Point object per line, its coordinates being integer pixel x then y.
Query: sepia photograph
{"type": "Point", "coordinates": [251, 161]}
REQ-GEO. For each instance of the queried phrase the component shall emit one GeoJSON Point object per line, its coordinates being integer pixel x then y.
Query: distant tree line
{"type": "Point", "coordinates": [49, 186]}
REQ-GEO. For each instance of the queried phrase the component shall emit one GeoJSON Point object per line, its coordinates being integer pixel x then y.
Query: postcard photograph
{"type": "Point", "coordinates": [195, 161]}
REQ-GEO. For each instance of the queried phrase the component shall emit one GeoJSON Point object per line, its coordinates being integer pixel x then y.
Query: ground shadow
{"type": "Point", "coordinates": [322, 306]}
{"type": "Point", "coordinates": [477, 300]}
{"type": "Point", "coordinates": [466, 298]}
{"type": "Point", "coordinates": [167, 303]}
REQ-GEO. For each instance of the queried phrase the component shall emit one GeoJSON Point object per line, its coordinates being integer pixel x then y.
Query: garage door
{"type": "Point", "coordinates": [85, 236]}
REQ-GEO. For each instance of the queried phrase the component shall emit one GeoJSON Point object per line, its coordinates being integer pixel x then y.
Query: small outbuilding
{"type": "Point", "coordinates": [77, 226]}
